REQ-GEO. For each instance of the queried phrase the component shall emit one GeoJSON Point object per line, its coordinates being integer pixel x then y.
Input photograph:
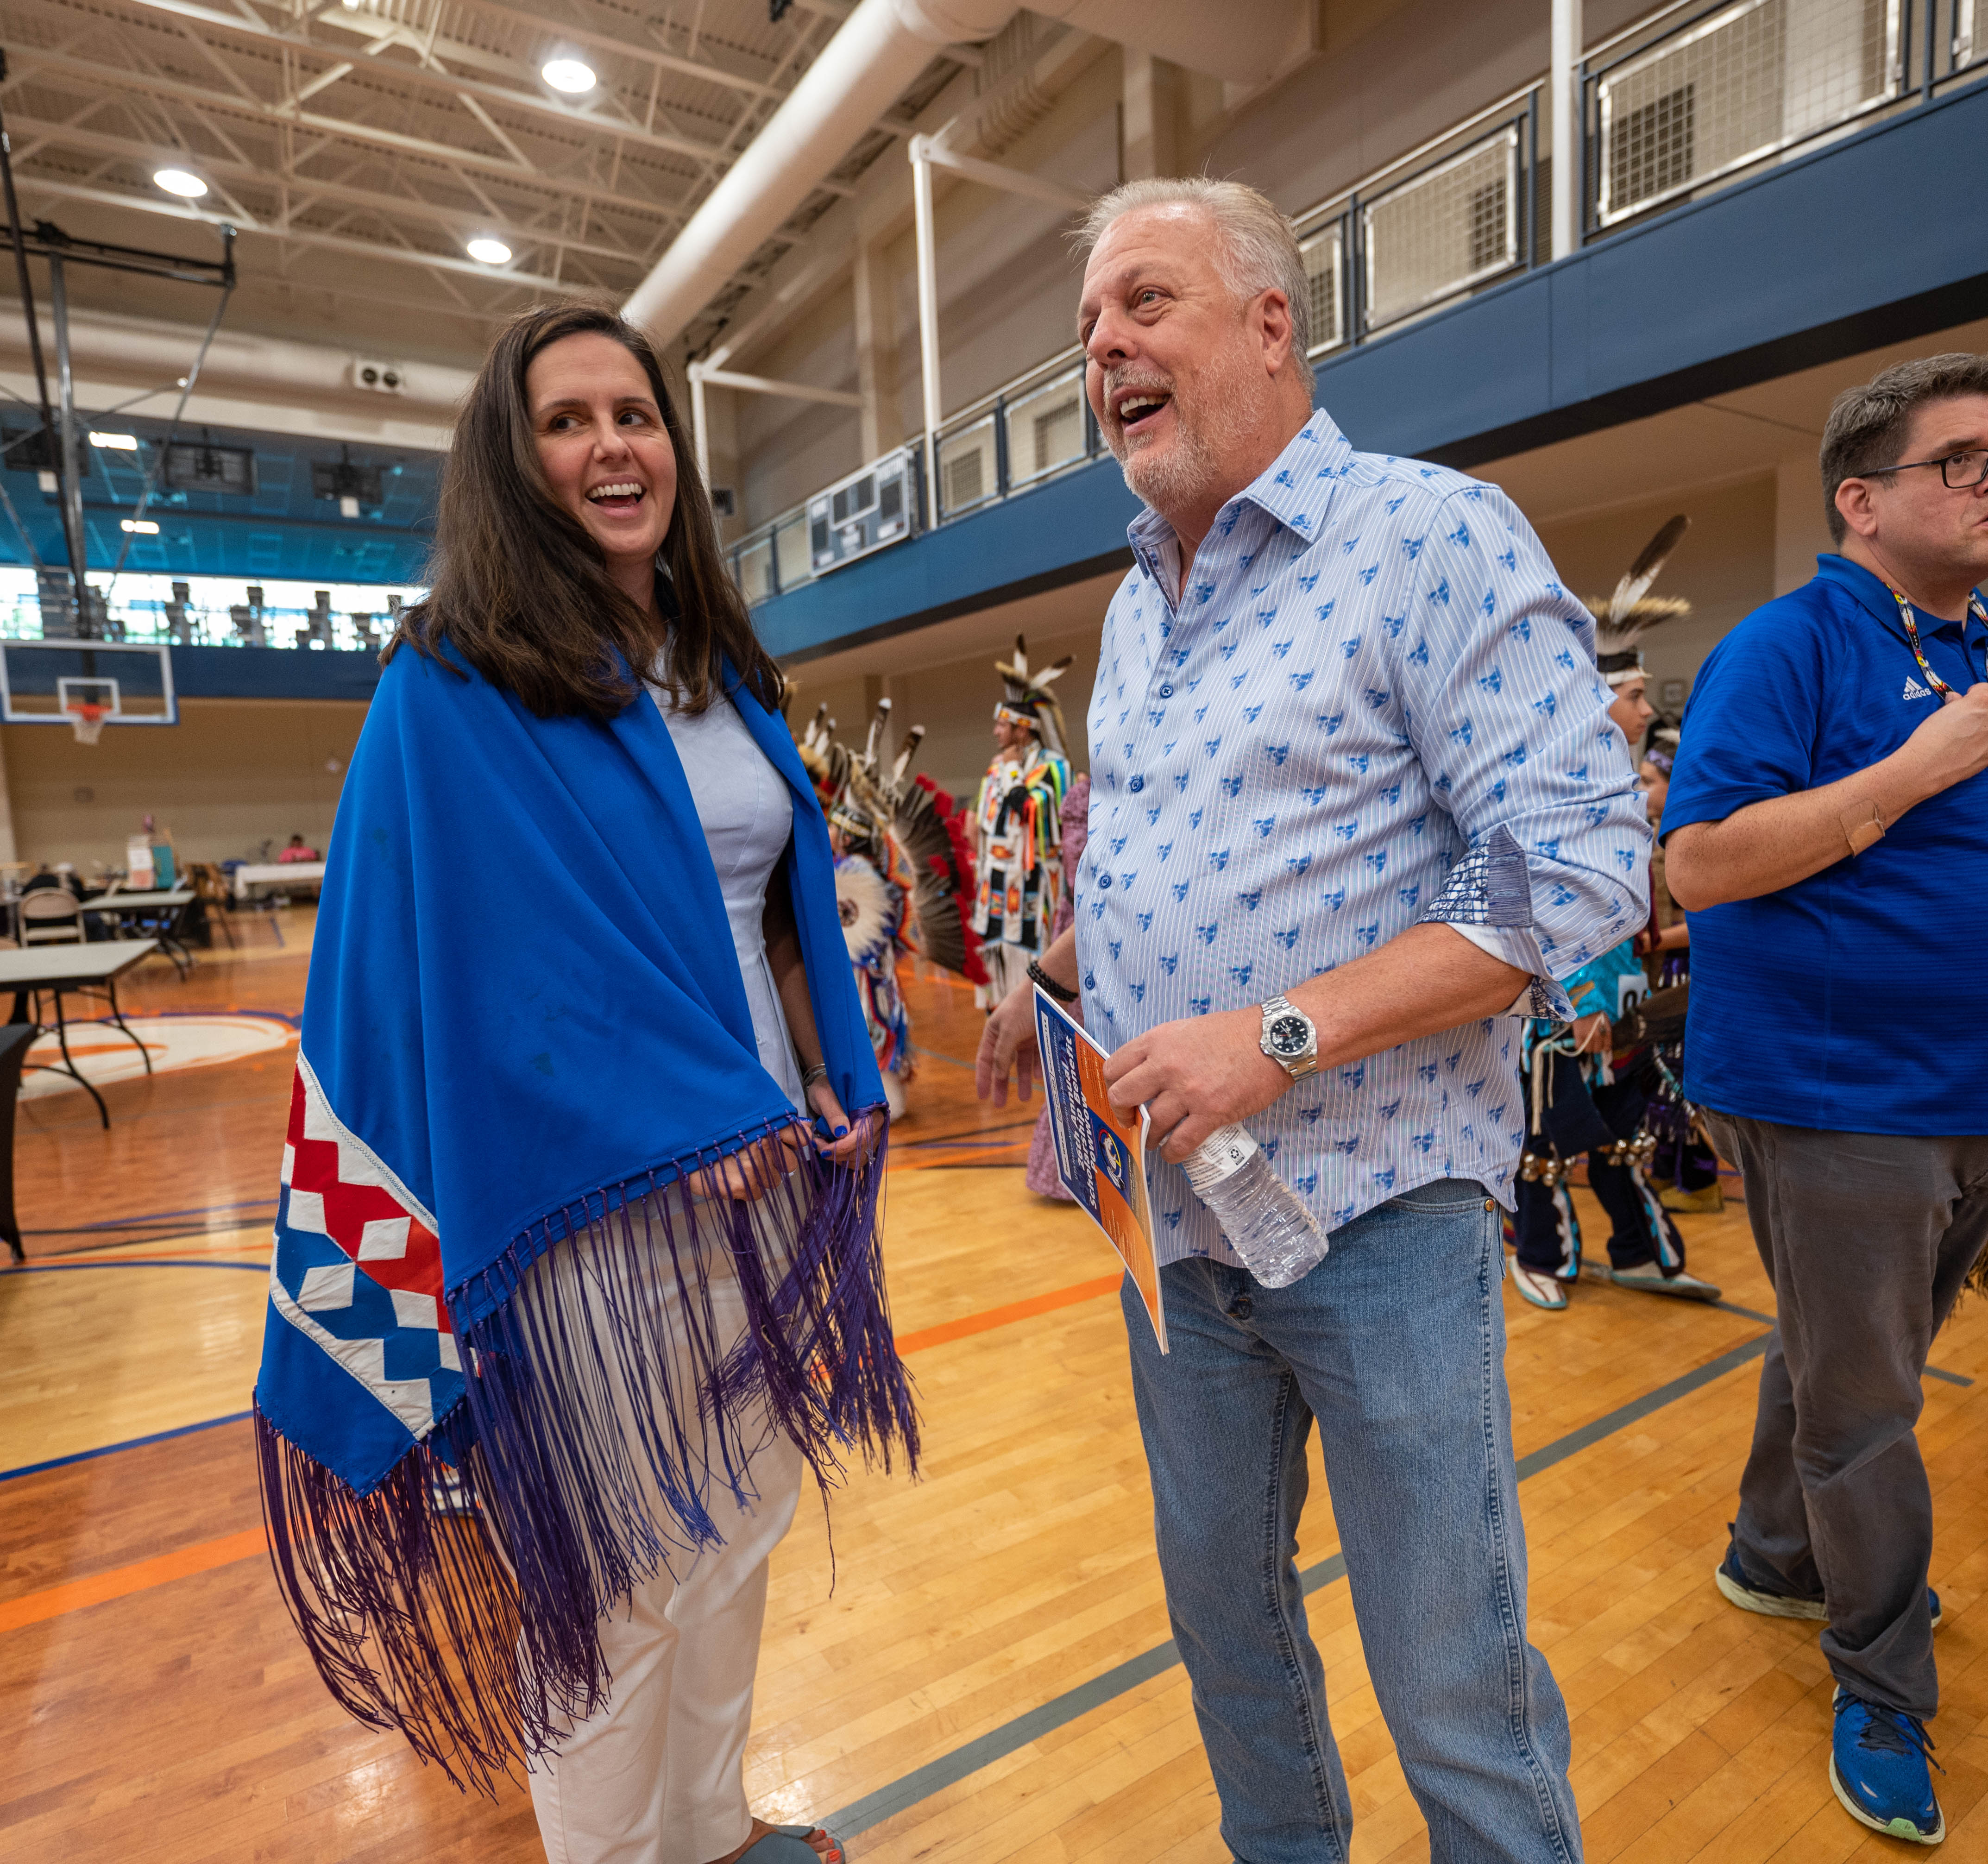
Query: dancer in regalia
{"type": "Point", "coordinates": [576, 1269]}
{"type": "Point", "coordinates": [1578, 1099]}
{"type": "Point", "coordinates": [902, 868]}
{"type": "Point", "coordinates": [1018, 851]}
{"type": "Point", "coordinates": [1685, 1168]}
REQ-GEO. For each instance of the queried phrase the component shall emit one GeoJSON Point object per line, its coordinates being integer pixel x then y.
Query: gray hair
{"type": "Point", "coordinates": [1867, 425]}
{"type": "Point", "coordinates": [1256, 250]}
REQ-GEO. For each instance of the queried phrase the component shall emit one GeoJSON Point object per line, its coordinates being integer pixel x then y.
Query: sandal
{"type": "Point", "coordinates": [789, 1845]}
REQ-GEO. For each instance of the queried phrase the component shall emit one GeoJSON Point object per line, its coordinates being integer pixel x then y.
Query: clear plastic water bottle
{"type": "Point", "coordinates": [1265, 1222]}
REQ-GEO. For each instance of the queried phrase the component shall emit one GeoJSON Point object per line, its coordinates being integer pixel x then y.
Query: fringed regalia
{"type": "Point", "coordinates": [1018, 866]}
{"type": "Point", "coordinates": [875, 909]}
{"type": "Point", "coordinates": [493, 1397]}
{"type": "Point", "coordinates": [901, 869]}
{"type": "Point", "coordinates": [1584, 1104]}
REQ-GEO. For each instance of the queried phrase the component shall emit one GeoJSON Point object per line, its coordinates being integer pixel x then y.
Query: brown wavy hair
{"type": "Point", "coordinates": [518, 587]}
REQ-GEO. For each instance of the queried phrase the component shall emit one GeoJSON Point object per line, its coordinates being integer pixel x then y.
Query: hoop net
{"type": "Point", "coordinates": [88, 721]}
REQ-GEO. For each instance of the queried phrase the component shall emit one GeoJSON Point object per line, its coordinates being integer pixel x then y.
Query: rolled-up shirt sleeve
{"type": "Point", "coordinates": [1508, 716]}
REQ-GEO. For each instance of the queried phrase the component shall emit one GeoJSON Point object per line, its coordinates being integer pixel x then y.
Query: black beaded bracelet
{"type": "Point", "coordinates": [1038, 975]}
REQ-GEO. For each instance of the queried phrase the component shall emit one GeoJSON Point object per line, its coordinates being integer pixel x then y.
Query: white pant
{"type": "Point", "coordinates": [657, 1775]}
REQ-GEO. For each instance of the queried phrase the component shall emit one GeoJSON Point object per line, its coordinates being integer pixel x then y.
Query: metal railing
{"type": "Point", "coordinates": [1695, 95]}
{"type": "Point", "coordinates": [1028, 431]}
{"type": "Point", "coordinates": [1445, 220]}
{"type": "Point", "coordinates": [1731, 87]}
{"type": "Point", "coordinates": [26, 615]}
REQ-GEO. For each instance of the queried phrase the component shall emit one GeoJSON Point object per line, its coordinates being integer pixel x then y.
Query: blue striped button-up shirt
{"type": "Point", "coordinates": [1374, 704]}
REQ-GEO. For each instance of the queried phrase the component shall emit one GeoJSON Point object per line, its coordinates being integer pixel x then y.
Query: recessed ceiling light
{"type": "Point", "coordinates": [178, 182]}
{"type": "Point", "coordinates": [118, 443]}
{"type": "Point", "coordinates": [568, 75]}
{"type": "Point", "coordinates": [142, 527]}
{"type": "Point", "coordinates": [490, 251]}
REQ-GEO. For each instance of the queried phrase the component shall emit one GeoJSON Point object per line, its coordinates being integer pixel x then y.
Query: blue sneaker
{"type": "Point", "coordinates": [1880, 1764]}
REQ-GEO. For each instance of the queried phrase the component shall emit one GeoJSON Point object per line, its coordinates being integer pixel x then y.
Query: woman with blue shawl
{"type": "Point", "coordinates": [576, 1262]}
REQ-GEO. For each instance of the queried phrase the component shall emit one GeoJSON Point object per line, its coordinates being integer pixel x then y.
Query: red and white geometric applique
{"type": "Point", "coordinates": [357, 1269]}
{"type": "Point", "coordinates": [340, 1187]}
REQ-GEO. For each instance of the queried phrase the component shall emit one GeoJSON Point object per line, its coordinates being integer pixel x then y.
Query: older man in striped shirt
{"type": "Point", "coordinates": [1356, 805]}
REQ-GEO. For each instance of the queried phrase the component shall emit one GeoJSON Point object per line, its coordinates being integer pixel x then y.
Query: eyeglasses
{"type": "Point", "coordinates": [1957, 471]}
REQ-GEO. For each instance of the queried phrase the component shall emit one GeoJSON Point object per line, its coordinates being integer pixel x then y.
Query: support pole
{"type": "Point", "coordinates": [70, 493]}
{"type": "Point", "coordinates": [700, 433]}
{"type": "Point", "coordinates": [921, 212]}
{"type": "Point", "coordinates": [21, 280]}
{"type": "Point", "coordinates": [1564, 85]}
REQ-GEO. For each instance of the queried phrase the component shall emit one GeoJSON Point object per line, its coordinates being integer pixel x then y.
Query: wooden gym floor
{"type": "Point", "coordinates": [991, 1678]}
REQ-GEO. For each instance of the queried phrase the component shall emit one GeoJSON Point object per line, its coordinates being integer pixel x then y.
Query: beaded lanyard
{"type": "Point", "coordinates": [1912, 637]}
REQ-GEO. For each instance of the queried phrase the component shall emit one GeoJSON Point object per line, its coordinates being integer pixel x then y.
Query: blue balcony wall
{"type": "Point", "coordinates": [1879, 238]}
{"type": "Point", "coordinates": [273, 673]}
{"type": "Point", "coordinates": [1072, 528]}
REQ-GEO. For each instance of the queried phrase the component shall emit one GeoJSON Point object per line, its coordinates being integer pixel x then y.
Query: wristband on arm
{"type": "Point", "coordinates": [1038, 975]}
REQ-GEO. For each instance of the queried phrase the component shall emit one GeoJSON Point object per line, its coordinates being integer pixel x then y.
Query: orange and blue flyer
{"type": "Point", "coordinates": [1100, 1153]}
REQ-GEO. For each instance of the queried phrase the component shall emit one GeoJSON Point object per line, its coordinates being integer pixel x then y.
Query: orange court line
{"type": "Point", "coordinates": [142, 1575]}
{"type": "Point", "coordinates": [1001, 1316]}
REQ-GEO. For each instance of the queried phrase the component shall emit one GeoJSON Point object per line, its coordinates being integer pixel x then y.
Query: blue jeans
{"type": "Point", "coordinates": [1396, 1342]}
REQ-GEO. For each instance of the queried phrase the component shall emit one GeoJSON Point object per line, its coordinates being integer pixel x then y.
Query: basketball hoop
{"type": "Point", "coordinates": [88, 720]}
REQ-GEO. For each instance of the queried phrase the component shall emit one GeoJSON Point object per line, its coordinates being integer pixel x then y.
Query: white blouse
{"type": "Point", "coordinates": [747, 813]}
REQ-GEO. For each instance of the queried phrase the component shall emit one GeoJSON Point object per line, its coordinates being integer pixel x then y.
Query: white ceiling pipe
{"type": "Point", "coordinates": [144, 352]}
{"type": "Point", "coordinates": [862, 71]}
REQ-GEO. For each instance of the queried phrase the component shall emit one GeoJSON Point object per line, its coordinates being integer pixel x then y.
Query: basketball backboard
{"type": "Point", "coordinates": [125, 682]}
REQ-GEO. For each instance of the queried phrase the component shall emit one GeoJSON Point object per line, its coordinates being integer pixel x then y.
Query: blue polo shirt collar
{"type": "Point", "coordinates": [1871, 593]}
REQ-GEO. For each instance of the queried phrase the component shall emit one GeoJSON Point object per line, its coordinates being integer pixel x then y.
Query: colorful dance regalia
{"type": "Point", "coordinates": [1041, 1175]}
{"type": "Point", "coordinates": [1020, 869]}
{"type": "Point", "coordinates": [1580, 1103]}
{"type": "Point", "coordinates": [508, 1062]}
{"type": "Point", "coordinates": [901, 869]}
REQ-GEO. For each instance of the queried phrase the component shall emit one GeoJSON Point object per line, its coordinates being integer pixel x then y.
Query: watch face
{"type": "Point", "coordinates": [1290, 1035]}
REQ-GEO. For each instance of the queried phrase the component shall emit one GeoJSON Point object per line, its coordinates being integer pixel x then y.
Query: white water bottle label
{"type": "Point", "coordinates": [1221, 1155]}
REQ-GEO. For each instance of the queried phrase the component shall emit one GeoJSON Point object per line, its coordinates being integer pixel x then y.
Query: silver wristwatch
{"type": "Point", "coordinates": [1289, 1038]}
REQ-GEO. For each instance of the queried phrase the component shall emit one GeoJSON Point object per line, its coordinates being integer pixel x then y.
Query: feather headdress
{"type": "Point", "coordinates": [1622, 622]}
{"type": "Point", "coordinates": [909, 831]}
{"type": "Point", "coordinates": [1028, 697]}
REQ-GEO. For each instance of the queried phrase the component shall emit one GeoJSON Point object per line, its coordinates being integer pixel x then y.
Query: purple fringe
{"type": "Point", "coordinates": [603, 1405]}
{"type": "Point", "coordinates": [408, 1611]}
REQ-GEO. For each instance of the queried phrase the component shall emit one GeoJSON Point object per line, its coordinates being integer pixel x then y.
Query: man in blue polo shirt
{"type": "Point", "coordinates": [1827, 831]}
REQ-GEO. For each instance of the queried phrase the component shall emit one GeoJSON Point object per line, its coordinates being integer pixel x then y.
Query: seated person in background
{"type": "Point", "coordinates": [1576, 1100]}
{"type": "Point", "coordinates": [45, 877]}
{"type": "Point", "coordinates": [298, 850]}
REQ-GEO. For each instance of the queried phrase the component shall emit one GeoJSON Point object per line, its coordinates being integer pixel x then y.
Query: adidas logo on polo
{"type": "Point", "coordinates": [1914, 690]}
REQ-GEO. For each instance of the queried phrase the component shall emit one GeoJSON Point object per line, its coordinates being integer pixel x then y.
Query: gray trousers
{"type": "Point", "coordinates": [1867, 1238]}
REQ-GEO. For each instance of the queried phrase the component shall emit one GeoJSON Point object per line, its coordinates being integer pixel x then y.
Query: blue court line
{"type": "Point", "coordinates": [949, 1769]}
{"type": "Point", "coordinates": [1931, 1371]}
{"type": "Point", "coordinates": [152, 1216]}
{"type": "Point", "coordinates": [158, 1436]}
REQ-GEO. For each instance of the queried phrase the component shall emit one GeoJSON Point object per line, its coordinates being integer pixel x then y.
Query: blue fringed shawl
{"type": "Point", "coordinates": [525, 1029]}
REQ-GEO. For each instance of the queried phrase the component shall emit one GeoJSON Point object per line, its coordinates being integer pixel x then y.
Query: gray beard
{"type": "Point", "coordinates": [1185, 473]}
